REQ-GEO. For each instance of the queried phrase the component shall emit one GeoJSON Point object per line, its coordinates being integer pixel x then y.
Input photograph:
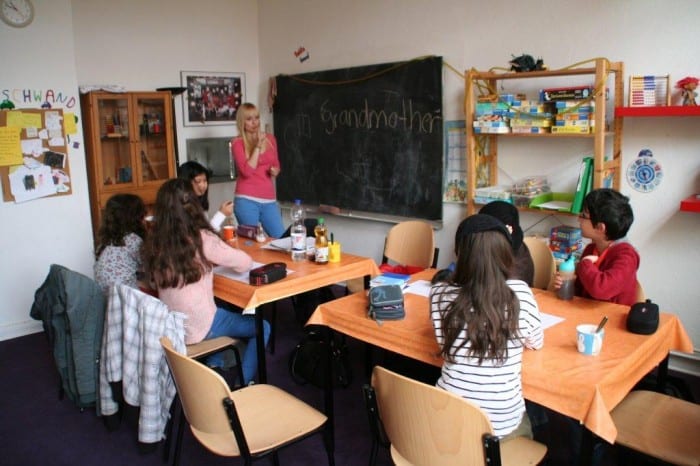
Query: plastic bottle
{"type": "Point", "coordinates": [321, 234]}
{"type": "Point", "coordinates": [260, 234]}
{"type": "Point", "coordinates": [298, 232]}
{"type": "Point", "coordinates": [567, 271]}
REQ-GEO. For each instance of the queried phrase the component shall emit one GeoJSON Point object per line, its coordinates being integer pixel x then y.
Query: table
{"type": "Point", "coordinates": [557, 376]}
{"type": "Point", "coordinates": [302, 276]}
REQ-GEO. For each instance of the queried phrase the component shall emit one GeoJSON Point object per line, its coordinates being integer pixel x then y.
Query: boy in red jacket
{"type": "Point", "coordinates": [608, 268]}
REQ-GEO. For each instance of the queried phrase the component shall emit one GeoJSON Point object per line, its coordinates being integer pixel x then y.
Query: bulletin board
{"type": "Point", "coordinates": [33, 154]}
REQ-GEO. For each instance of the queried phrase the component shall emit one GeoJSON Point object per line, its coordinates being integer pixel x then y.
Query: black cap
{"type": "Point", "coordinates": [508, 214]}
{"type": "Point", "coordinates": [478, 223]}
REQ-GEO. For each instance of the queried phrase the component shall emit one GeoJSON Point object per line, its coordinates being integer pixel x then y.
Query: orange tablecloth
{"type": "Point", "coordinates": [557, 376]}
{"type": "Point", "coordinates": [302, 276]}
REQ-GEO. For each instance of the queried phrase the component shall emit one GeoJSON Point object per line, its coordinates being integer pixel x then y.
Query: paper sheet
{"type": "Point", "coordinates": [549, 320]}
{"type": "Point", "coordinates": [285, 244]}
{"type": "Point", "coordinates": [419, 287]}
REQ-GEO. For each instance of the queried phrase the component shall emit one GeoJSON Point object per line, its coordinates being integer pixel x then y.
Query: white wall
{"type": "Point", "coordinates": [650, 38]}
{"type": "Point", "coordinates": [38, 233]}
{"type": "Point", "coordinates": [145, 44]}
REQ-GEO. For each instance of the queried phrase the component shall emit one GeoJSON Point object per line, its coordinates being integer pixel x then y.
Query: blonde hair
{"type": "Point", "coordinates": [242, 113]}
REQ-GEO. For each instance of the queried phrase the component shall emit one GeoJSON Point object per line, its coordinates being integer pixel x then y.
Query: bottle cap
{"type": "Point", "coordinates": [568, 265]}
{"type": "Point", "coordinates": [297, 201]}
{"type": "Point", "coordinates": [320, 221]}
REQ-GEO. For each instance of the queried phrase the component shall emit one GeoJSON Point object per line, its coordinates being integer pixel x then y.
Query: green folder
{"type": "Point", "coordinates": [585, 181]}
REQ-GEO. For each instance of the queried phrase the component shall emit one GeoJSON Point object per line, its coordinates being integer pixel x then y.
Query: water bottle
{"type": "Point", "coordinates": [321, 234]}
{"type": "Point", "coordinates": [567, 271]}
{"type": "Point", "coordinates": [298, 232]}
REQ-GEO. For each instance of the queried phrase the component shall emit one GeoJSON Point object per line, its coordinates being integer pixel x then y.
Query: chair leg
{"type": "Point", "coordinates": [275, 458]}
{"type": "Point", "coordinates": [273, 327]}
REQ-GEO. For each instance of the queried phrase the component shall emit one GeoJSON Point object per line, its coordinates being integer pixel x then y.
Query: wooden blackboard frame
{"type": "Point", "coordinates": [366, 140]}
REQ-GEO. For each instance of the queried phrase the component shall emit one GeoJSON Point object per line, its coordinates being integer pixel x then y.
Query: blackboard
{"type": "Point", "coordinates": [366, 139]}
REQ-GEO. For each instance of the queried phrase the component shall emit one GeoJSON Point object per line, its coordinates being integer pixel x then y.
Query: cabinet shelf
{"type": "Point", "coordinates": [482, 150]}
{"type": "Point", "coordinates": [660, 111]}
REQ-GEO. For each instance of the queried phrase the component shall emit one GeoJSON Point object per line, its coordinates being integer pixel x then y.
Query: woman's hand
{"type": "Point", "coordinates": [274, 171]}
{"type": "Point", "coordinates": [226, 208]}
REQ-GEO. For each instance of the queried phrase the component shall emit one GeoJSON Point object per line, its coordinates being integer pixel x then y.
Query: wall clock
{"type": "Point", "coordinates": [17, 13]}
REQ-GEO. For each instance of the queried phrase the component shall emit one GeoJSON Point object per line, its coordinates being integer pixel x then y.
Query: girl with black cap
{"type": "Point", "coordinates": [483, 319]}
{"type": "Point", "coordinates": [523, 266]}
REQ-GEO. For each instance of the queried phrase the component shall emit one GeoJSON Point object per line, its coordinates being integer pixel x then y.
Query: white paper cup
{"type": "Point", "coordinates": [588, 341]}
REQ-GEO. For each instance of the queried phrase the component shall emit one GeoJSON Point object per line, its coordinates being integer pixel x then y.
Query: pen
{"type": "Point", "coordinates": [332, 242]}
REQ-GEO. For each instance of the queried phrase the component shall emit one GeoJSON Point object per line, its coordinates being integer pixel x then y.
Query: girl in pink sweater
{"type": "Point", "coordinates": [179, 255]}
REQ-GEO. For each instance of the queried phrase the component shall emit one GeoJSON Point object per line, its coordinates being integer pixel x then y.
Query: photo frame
{"type": "Point", "coordinates": [211, 97]}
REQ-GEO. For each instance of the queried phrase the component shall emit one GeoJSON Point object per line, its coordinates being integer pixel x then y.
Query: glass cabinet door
{"type": "Point", "coordinates": [115, 151]}
{"type": "Point", "coordinates": [152, 147]}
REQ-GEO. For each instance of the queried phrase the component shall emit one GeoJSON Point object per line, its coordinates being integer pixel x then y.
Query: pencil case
{"type": "Point", "coordinates": [268, 273]}
{"type": "Point", "coordinates": [246, 231]}
{"type": "Point", "coordinates": [386, 303]}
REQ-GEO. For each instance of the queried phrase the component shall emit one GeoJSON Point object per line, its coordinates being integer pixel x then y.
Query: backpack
{"type": "Point", "coordinates": [308, 362]}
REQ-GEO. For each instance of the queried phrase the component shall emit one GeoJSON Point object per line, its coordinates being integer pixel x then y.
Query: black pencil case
{"type": "Point", "coordinates": [268, 273]}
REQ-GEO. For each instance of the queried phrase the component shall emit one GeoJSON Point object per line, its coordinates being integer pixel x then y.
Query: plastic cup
{"type": "Point", "coordinates": [588, 341]}
{"type": "Point", "coordinates": [334, 252]}
{"type": "Point", "coordinates": [228, 233]}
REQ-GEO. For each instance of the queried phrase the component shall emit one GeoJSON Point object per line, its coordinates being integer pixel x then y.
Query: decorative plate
{"type": "Point", "coordinates": [644, 173]}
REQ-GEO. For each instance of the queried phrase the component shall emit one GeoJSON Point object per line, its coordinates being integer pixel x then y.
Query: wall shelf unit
{"type": "Point", "coordinates": [661, 111]}
{"type": "Point", "coordinates": [482, 149]}
{"type": "Point", "coordinates": [689, 204]}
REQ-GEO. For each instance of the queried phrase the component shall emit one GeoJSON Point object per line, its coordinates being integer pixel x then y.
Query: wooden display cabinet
{"type": "Point", "coordinates": [129, 145]}
{"type": "Point", "coordinates": [482, 149]}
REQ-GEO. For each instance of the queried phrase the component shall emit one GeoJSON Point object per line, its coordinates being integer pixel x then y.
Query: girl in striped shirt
{"type": "Point", "coordinates": [482, 322]}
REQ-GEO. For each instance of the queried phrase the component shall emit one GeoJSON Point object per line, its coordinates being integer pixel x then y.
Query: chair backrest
{"type": "Point", "coordinates": [411, 243]}
{"type": "Point", "coordinates": [428, 425]}
{"type": "Point", "coordinates": [201, 392]}
{"type": "Point", "coordinates": [545, 265]}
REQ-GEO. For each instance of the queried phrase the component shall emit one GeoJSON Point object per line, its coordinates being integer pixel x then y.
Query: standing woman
{"type": "Point", "coordinates": [483, 320]}
{"type": "Point", "coordinates": [198, 175]}
{"type": "Point", "coordinates": [178, 257]}
{"type": "Point", "coordinates": [257, 165]}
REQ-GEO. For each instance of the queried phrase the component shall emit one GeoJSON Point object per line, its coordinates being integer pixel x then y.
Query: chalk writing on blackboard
{"type": "Point", "coordinates": [364, 139]}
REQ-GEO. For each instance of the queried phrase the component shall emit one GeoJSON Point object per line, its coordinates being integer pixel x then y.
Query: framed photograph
{"type": "Point", "coordinates": [212, 97]}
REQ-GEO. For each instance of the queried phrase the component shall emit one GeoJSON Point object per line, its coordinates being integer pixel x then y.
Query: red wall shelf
{"type": "Point", "coordinates": [673, 110]}
{"type": "Point", "coordinates": [691, 204]}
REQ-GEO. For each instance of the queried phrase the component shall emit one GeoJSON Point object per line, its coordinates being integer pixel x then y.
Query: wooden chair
{"type": "Point", "coordinates": [659, 426]}
{"type": "Point", "coordinates": [411, 243]}
{"type": "Point", "coordinates": [407, 243]}
{"type": "Point", "coordinates": [545, 265]}
{"type": "Point", "coordinates": [427, 425]}
{"type": "Point", "coordinates": [198, 351]}
{"type": "Point", "coordinates": [245, 422]}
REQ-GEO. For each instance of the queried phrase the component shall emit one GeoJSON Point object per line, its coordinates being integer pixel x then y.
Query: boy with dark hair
{"type": "Point", "coordinates": [608, 268]}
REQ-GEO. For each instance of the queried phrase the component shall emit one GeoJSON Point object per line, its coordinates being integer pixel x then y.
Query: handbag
{"type": "Point", "coordinates": [309, 361]}
{"type": "Point", "coordinates": [386, 303]}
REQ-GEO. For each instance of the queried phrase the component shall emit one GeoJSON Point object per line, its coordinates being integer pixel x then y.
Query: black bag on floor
{"type": "Point", "coordinates": [308, 362]}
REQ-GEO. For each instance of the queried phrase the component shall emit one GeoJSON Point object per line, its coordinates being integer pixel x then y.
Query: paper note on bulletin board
{"type": "Point", "coordinates": [33, 154]}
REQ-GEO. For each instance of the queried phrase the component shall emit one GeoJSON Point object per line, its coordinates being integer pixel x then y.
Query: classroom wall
{"type": "Point", "coordinates": [142, 45]}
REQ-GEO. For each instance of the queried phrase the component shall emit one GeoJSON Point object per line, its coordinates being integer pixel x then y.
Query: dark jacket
{"type": "Point", "coordinates": [71, 307]}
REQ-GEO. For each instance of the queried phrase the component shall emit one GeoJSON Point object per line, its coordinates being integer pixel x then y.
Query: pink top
{"type": "Point", "coordinates": [196, 300]}
{"type": "Point", "coordinates": [255, 182]}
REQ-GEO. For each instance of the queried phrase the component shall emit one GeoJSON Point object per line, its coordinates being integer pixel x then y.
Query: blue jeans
{"type": "Point", "coordinates": [251, 213]}
{"type": "Point", "coordinates": [233, 324]}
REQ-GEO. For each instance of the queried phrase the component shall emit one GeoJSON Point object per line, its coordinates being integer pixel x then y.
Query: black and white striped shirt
{"type": "Point", "coordinates": [496, 388]}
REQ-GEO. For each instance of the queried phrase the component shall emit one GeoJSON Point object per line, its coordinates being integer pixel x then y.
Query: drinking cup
{"type": "Point", "coordinates": [334, 252]}
{"type": "Point", "coordinates": [227, 232]}
{"type": "Point", "coordinates": [589, 342]}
